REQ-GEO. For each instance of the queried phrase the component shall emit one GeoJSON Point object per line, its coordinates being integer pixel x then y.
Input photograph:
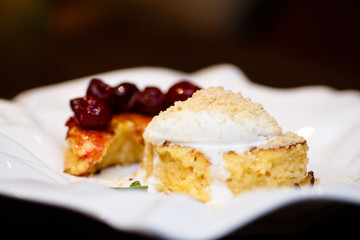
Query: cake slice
{"type": "Point", "coordinates": [108, 124]}
{"type": "Point", "coordinates": [217, 144]}
{"type": "Point", "coordinates": [92, 150]}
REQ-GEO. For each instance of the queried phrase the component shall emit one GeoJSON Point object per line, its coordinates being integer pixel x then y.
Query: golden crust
{"type": "Point", "coordinates": [92, 150]}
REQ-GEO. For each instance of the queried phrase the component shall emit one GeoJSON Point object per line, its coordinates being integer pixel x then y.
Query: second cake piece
{"type": "Point", "coordinates": [218, 144]}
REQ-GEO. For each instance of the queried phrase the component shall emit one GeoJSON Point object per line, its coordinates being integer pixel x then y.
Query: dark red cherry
{"type": "Point", "coordinates": [102, 91]}
{"type": "Point", "coordinates": [91, 112]}
{"type": "Point", "coordinates": [150, 101]}
{"type": "Point", "coordinates": [124, 94]}
{"type": "Point", "coordinates": [181, 91]}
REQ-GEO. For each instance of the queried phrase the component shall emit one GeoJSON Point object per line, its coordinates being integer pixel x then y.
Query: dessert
{"type": "Point", "coordinates": [217, 144]}
{"type": "Point", "coordinates": [108, 124]}
{"type": "Point", "coordinates": [92, 150]}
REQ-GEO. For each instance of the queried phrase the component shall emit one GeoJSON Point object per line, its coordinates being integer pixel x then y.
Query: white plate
{"type": "Point", "coordinates": [32, 135]}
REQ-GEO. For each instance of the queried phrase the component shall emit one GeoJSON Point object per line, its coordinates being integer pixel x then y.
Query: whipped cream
{"type": "Point", "coordinates": [212, 116]}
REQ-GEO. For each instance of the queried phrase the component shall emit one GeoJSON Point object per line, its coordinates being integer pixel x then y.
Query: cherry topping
{"type": "Point", "coordinates": [124, 97]}
{"type": "Point", "coordinates": [102, 91]}
{"type": "Point", "coordinates": [91, 112]}
{"type": "Point", "coordinates": [150, 101]}
{"type": "Point", "coordinates": [94, 111]}
{"type": "Point", "coordinates": [181, 91]}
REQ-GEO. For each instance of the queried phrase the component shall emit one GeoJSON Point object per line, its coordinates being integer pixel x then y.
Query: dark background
{"type": "Point", "coordinates": [277, 43]}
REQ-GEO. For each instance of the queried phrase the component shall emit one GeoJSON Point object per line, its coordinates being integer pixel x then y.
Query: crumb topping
{"type": "Point", "coordinates": [286, 140]}
{"type": "Point", "coordinates": [232, 105]}
{"type": "Point", "coordinates": [219, 116]}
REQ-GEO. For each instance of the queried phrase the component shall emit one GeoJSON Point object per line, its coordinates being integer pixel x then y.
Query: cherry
{"type": "Point", "coordinates": [150, 101]}
{"type": "Point", "coordinates": [124, 97]}
{"type": "Point", "coordinates": [94, 111]}
{"type": "Point", "coordinates": [91, 112]}
{"type": "Point", "coordinates": [181, 91]}
{"type": "Point", "coordinates": [102, 91]}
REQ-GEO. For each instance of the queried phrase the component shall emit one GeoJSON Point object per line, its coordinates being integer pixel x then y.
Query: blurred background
{"type": "Point", "coordinates": [277, 43]}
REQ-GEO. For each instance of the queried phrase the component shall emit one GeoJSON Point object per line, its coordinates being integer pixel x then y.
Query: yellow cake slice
{"type": "Point", "coordinates": [217, 144]}
{"type": "Point", "coordinates": [92, 150]}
